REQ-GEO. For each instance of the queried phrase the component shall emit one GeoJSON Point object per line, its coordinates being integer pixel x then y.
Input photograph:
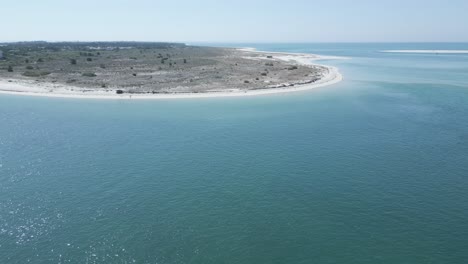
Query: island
{"type": "Point", "coordinates": [154, 70]}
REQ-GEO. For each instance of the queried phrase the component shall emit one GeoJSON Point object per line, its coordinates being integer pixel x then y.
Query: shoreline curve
{"type": "Point", "coordinates": [333, 76]}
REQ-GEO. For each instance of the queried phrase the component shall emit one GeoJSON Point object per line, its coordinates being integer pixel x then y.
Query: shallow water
{"type": "Point", "coordinates": [371, 170]}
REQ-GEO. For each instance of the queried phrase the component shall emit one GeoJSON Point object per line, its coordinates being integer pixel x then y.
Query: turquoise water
{"type": "Point", "coordinates": [371, 170]}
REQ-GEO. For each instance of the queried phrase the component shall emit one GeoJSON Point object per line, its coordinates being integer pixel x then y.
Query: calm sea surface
{"type": "Point", "coordinates": [371, 170]}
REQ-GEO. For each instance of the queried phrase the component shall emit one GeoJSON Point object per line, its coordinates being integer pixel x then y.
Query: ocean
{"type": "Point", "coordinates": [371, 170]}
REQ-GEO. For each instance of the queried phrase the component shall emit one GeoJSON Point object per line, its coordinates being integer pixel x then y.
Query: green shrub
{"type": "Point", "coordinates": [10, 68]}
{"type": "Point", "coordinates": [89, 59]}
{"type": "Point", "coordinates": [35, 73]}
{"type": "Point", "coordinates": [73, 61]}
{"type": "Point", "coordinates": [89, 74]}
{"type": "Point", "coordinates": [29, 67]}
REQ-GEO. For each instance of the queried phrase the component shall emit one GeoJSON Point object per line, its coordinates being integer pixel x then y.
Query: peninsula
{"type": "Point", "coordinates": [153, 70]}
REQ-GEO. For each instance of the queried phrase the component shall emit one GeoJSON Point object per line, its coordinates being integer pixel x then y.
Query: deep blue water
{"type": "Point", "coordinates": [371, 170]}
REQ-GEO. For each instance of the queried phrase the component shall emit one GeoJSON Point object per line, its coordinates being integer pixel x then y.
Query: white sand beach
{"type": "Point", "coordinates": [33, 88]}
{"type": "Point", "coordinates": [428, 51]}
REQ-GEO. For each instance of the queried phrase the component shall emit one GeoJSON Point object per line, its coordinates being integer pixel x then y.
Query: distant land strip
{"type": "Point", "coordinates": [428, 51]}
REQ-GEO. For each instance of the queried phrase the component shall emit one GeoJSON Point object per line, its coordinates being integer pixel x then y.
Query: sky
{"type": "Point", "coordinates": [235, 21]}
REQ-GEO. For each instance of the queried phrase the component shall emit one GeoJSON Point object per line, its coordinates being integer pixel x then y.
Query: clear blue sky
{"type": "Point", "coordinates": [236, 21]}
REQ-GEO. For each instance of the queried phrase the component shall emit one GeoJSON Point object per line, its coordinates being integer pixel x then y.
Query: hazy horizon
{"type": "Point", "coordinates": [242, 42]}
{"type": "Point", "coordinates": [210, 21]}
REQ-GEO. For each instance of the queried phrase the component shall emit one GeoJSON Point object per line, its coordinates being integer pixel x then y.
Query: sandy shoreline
{"type": "Point", "coordinates": [332, 76]}
{"type": "Point", "coordinates": [428, 51]}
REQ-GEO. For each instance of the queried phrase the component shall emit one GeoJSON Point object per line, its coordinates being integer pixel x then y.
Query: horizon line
{"type": "Point", "coordinates": [235, 42]}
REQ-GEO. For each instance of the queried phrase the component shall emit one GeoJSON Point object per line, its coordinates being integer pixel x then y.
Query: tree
{"type": "Point", "coordinates": [10, 68]}
{"type": "Point", "coordinates": [73, 61]}
{"type": "Point", "coordinates": [89, 59]}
